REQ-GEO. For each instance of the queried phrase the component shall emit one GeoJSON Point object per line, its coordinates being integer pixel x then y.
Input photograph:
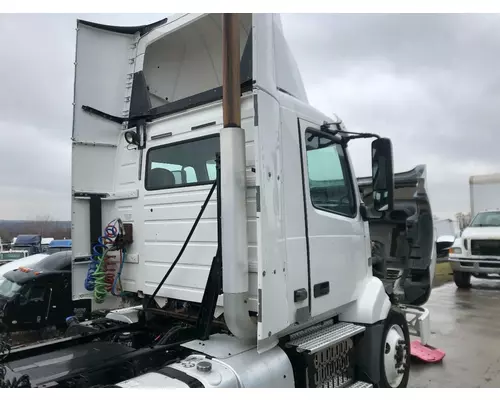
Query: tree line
{"type": "Point", "coordinates": [42, 225]}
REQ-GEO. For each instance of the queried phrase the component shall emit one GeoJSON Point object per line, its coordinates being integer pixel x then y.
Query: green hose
{"type": "Point", "coordinates": [100, 280]}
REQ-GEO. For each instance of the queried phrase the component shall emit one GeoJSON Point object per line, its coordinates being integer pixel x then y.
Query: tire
{"type": "Point", "coordinates": [462, 279]}
{"type": "Point", "coordinates": [395, 351]}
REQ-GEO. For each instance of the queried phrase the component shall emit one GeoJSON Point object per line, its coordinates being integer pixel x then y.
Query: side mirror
{"type": "Point", "coordinates": [382, 175]}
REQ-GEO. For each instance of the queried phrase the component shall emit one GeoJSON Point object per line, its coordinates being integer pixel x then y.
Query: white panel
{"type": "Point", "coordinates": [296, 250]}
{"type": "Point", "coordinates": [287, 73]}
{"type": "Point", "coordinates": [263, 53]}
{"type": "Point", "coordinates": [89, 164]}
{"type": "Point", "coordinates": [102, 65]}
{"type": "Point", "coordinates": [271, 246]}
{"type": "Point", "coordinates": [101, 73]}
{"type": "Point", "coordinates": [485, 196]}
{"type": "Point", "coordinates": [188, 61]}
{"type": "Point", "coordinates": [163, 218]}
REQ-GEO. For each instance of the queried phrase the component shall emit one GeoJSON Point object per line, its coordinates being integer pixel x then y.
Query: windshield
{"type": "Point", "coordinates": [21, 248]}
{"type": "Point", "coordinates": [486, 219]}
{"type": "Point", "coordinates": [11, 256]}
{"type": "Point", "coordinates": [8, 288]}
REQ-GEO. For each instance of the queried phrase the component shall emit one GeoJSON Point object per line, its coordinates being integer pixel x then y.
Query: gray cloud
{"type": "Point", "coordinates": [430, 82]}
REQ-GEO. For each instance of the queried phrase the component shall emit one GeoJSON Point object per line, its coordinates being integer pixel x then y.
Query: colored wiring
{"type": "Point", "coordinates": [117, 279]}
{"type": "Point", "coordinates": [101, 277]}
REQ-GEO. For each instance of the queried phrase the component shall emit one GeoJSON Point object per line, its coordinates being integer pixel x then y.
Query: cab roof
{"type": "Point", "coordinates": [50, 265]}
{"type": "Point", "coordinates": [60, 243]}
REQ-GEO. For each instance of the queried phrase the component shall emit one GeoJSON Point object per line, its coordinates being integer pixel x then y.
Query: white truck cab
{"type": "Point", "coordinates": [477, 251]}
{"type": "Point", "coordinates": [293, 273]}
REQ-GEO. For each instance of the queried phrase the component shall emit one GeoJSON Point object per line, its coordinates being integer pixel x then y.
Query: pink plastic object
{"type": "Point", "coordinates": [426, 353]}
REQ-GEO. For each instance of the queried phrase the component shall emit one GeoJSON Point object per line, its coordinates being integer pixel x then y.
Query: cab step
{"type": "Point", "coordinates": [320, 337]}
{"type": "Point", "coordinates": [360, 385]}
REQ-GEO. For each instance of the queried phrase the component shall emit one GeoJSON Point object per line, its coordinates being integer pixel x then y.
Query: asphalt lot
{"type": "Point", "coordinates": [465, 324]}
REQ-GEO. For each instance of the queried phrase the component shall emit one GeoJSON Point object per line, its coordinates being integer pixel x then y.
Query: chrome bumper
{"type": "Point", "coordinates": [475, 265]}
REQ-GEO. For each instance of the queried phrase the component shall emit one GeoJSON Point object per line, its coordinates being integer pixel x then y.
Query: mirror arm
{"type": "Point", "coordinates": [330, 135]}
{"type": "Point", "coordinates": [351, 135]}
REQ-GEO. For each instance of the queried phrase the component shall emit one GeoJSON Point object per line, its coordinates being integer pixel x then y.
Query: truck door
{"type": "Point", "coordinates": [32, 309]}
{"type": "Point", "coordinates": [60, 305]}
{"type": "Point", "coordinates": [336, 235]}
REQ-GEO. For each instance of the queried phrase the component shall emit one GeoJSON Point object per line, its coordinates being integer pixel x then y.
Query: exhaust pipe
{"type": "Point", "coordinates": [233, 189]}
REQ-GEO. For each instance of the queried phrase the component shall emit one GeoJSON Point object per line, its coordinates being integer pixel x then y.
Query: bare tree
{"type": "Point", "coordinates": [43, 224]}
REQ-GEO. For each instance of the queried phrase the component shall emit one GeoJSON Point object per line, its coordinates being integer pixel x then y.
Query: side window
{"type": "Point", "coordinates": [329, 179]}
{"type": "Point", "coordinates": [211, 170]}
{"type": "Point", "coordinates": [36, 293]}
{"type": "Point", "coordinates": [181, 164]}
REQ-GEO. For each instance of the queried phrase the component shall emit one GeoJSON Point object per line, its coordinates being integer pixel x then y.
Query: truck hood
{"type": "Point", "coordinates": [482, 232]}
{"type": "Point", "coordinates": [408, 236]}
{"type": "Point", "coordinates": [446, 238]}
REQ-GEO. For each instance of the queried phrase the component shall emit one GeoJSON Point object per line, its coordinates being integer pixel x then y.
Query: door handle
{"type": "Point", "coordinates": [299, 295]}
{"type": "Point", "coordinates": [321, 289]}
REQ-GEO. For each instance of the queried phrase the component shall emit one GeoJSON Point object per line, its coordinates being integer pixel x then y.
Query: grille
{"type": "Point", "coordinates": [485, 247]}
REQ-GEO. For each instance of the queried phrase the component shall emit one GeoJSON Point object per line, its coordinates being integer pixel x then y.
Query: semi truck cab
{"type": "Point", "coordinates": [242, 241]}
{"type": "Point", "coordinates": [58, 245]}
{"type": "Point", "coordinates": [12, 255]}
{"type": "Point", "coordinates": [30, 243]}
{"type": "Point", "coordinates": [38, 296]}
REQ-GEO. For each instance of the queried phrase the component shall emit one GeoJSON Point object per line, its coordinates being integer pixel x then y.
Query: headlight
{"type": "Point", "coordinates": [454, 250]}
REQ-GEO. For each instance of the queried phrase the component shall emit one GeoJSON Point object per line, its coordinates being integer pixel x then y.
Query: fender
{"type": "Point", "coordinates": [373, 304]}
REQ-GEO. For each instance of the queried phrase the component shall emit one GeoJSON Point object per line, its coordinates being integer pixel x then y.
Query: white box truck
{"type": "Point", "coordinates": [477, 251]}
{"type": "Point", "coordinates": [248, 252]}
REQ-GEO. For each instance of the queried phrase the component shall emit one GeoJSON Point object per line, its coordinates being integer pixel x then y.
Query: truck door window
{"type": "Point", "coordinates": [36, 293]}
{"type": "Point", "coordinates": [211, 170]}
{"type": "Point", "coordinates": [181, 164]}
{"type": "Point", "coordinates": [329, 180]}
{"type": "Point", "coordinates": [182, 175]}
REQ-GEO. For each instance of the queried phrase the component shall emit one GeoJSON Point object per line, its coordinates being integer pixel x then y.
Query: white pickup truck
{"type": "Point", "coordinates": [477, 251]}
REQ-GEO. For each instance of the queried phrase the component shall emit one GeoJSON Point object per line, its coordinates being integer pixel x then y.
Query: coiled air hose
{"type": "Point", "coordinates": [101, 275]}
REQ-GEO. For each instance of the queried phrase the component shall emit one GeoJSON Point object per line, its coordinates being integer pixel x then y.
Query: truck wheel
{"type": "Point", "coordinates": [462, 279]}
{"type": "Point", "coordinates": [395, 359]}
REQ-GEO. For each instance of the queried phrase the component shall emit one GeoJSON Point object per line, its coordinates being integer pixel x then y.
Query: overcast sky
{"type": "Point", "coordinates": [429, 82]}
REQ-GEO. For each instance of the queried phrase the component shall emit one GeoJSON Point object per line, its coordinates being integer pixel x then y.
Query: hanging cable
{"type": "Point", "coordinates": [101, 273]}
{"type": "Point", "coordinates": [117, 279]}
{"type": "Point", "coordinates": [150, 301]}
